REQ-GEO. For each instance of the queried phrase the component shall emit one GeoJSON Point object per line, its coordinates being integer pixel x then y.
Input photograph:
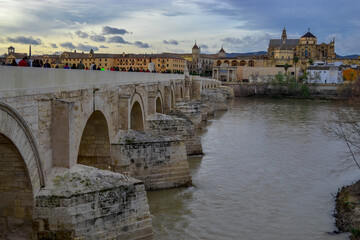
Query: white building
{"type": "Point", "coordinates": [322, 72]}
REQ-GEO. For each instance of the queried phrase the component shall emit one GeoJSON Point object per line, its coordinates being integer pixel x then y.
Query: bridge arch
{"type": "Point", "coordinates": [22, 177]}
{"type": "Point", "coordinates": [17, 200]}
{"type": "Point", "coordinates": [159, 103]}
{"type": "Point", "coordinates": [15, 128]}
{"type": "Point", "coordinates": [94, 148]}
{"type": "Point", "coordinates": [136, 114]}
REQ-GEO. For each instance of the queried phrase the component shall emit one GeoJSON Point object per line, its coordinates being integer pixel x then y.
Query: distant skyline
{"type": "Point", "coordinates": [140, 26]}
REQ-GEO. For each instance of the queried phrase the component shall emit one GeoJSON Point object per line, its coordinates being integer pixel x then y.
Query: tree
{"type": "Point", "coordinates": [91, 51]}
{"type": "Point", "coordinates": [311, 61]}
{"type": "Point", "coordinates": [345, 127]}
{"type": "Point", "coordinates": [286, 67]}
{"type": "Point", "coordinates": [295, 60]}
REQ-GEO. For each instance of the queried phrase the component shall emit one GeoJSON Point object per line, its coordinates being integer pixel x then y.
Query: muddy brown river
{"type": "Point", "coordinates": [268, 172]}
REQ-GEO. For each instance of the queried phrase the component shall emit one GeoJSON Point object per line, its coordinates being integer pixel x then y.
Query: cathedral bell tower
{"type": "Point", "coordinates": [284, 35]}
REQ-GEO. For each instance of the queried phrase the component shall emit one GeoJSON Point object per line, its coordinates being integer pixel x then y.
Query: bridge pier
{"type": "Point", "coordinates": [87, 203]}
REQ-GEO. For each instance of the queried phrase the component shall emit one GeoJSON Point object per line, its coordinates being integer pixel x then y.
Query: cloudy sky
{"type": "Point", "coordinates": [144, 26]}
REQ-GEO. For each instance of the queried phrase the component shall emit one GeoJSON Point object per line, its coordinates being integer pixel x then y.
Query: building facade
{"type": "Point", "coordinates": [306, 47]}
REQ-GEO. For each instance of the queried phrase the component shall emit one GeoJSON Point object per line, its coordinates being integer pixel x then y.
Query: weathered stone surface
{"type": "Point", "coordinates": [176, 124]}
{"type": "Point", "coordinates": [87, 203]}
{"type": "Point", "coordinates": [160, 162]}
{"type": "Point", "coordinates": [66, 117]}
{"type": "Point", "coordinates": [16, 197]}
{"type": "Point", "coordinates": [192, 110]}
{"type": "Point", "coordinates": [214, 98]}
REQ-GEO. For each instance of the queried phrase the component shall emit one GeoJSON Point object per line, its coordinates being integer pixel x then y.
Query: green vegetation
{"type": "Point", "coordinates": [287, 85]}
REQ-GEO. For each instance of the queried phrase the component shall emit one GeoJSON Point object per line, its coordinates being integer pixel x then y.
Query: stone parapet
{"type": "Point", "coordinates": [87, 203]}
{"type": "Point", "coordinates": [159, 161]}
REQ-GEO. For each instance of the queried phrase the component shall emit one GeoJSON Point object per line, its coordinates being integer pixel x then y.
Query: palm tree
{"type": "Point", "coordinates": [295, 60]}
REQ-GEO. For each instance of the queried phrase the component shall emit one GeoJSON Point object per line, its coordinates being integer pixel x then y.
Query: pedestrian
{"type": "Point", "coordinates": [47, 64]}
{"type": "Point", "coordinates": [36, 63]}
{"type": "Point", "coordinates": [73, 66]}
{"type": "Point", "coordinates": [23, 63]}
{"type": "Point", "coordinates": [93, 66]}
{"type": "Point", "coordinates": [13, 63]}
{"type": "Point", "coordinates": [66, 66]}
{"type": "Point", "coordinates": [41, 63]}
{"type": "Point", "coordinates": [80, 65]}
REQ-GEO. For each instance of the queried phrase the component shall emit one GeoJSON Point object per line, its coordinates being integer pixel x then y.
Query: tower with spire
{"type": "Point", "coordinates": [195, 52]}
{"type": "Point", "coordinates": [284, 35]}
{"type": "Point", "coordinates": [222, 53]}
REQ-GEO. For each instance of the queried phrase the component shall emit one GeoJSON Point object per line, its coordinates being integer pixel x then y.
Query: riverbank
{"type": "Point", "coordinates": [291, 90]}
{"type": "Point", "coordinates": [348, 210]}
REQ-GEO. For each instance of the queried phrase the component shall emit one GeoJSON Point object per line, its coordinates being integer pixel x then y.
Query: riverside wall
{"type": "Point", "coordinates": [249, 89]}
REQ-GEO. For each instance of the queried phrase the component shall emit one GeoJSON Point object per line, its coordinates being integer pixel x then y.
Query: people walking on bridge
{"type": "Point", "coordinates": [47, 64]}
{"type": "Point", "coordinates": [80, 65]}
{"type": "Point", "coordinates": [23, 62]}
{"type": "Point", "coordinates": [36, 63]}
{"type": "Point", "coordinates": [93, 66]}
{"type": "Point", "coordinates": [13, 63]}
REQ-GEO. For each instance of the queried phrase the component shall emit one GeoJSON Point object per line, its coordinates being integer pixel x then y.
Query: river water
{"type": "Point", "coordinates": [268, 172]}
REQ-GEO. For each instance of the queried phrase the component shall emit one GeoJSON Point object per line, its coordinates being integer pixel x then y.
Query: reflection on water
{"type": "Point", "coordinates": [268, 173]}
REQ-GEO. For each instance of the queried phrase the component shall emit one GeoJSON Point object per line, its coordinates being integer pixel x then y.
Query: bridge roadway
{"type": "Point", "coordinates": [55, 121]}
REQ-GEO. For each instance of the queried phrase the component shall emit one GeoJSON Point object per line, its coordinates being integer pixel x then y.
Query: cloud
{"type": "Point", "coordinates": [254, 42]}
{"type": "Point", "coordinates": [81, 34]}
{"type": "Point", "coordinates": [171, 42]}
{"type": "Point", "coordinates": [203, 46]}
{"type": "Point", "coordinates": [86, 48]}
{"type": "Point", "coordinates": [24, 40]}
{"type": "Point", "coordinates": [141, 44]}
{"type": "Point", "coordinates": [68, 45]}
{"type": "Point", "coordinates": [110, 30]}
{"type": "Point", "coordinates": [117, 39]}
{"type": "Point", "coordinates": [102, 46]}
{"type": "Point", "coordinates": [53, 45]}
{"type": "Point", "coordinates": [80, 46]}
{"type": "Point", "coordinates": [98, 38]}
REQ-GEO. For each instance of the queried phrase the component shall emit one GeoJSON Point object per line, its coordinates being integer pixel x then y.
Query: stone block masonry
{"type": "Point", "coordinates": [54, 120]}
{"type": "Point", "coordinates": [177, 125]}
{"type": "Point", "coordinates": [87, 203]}
{"type": "Point", "coordinates": [160, 162]}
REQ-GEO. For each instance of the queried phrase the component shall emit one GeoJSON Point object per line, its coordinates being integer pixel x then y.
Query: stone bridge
{"type": "Point", "coordinates": [53, 122]}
